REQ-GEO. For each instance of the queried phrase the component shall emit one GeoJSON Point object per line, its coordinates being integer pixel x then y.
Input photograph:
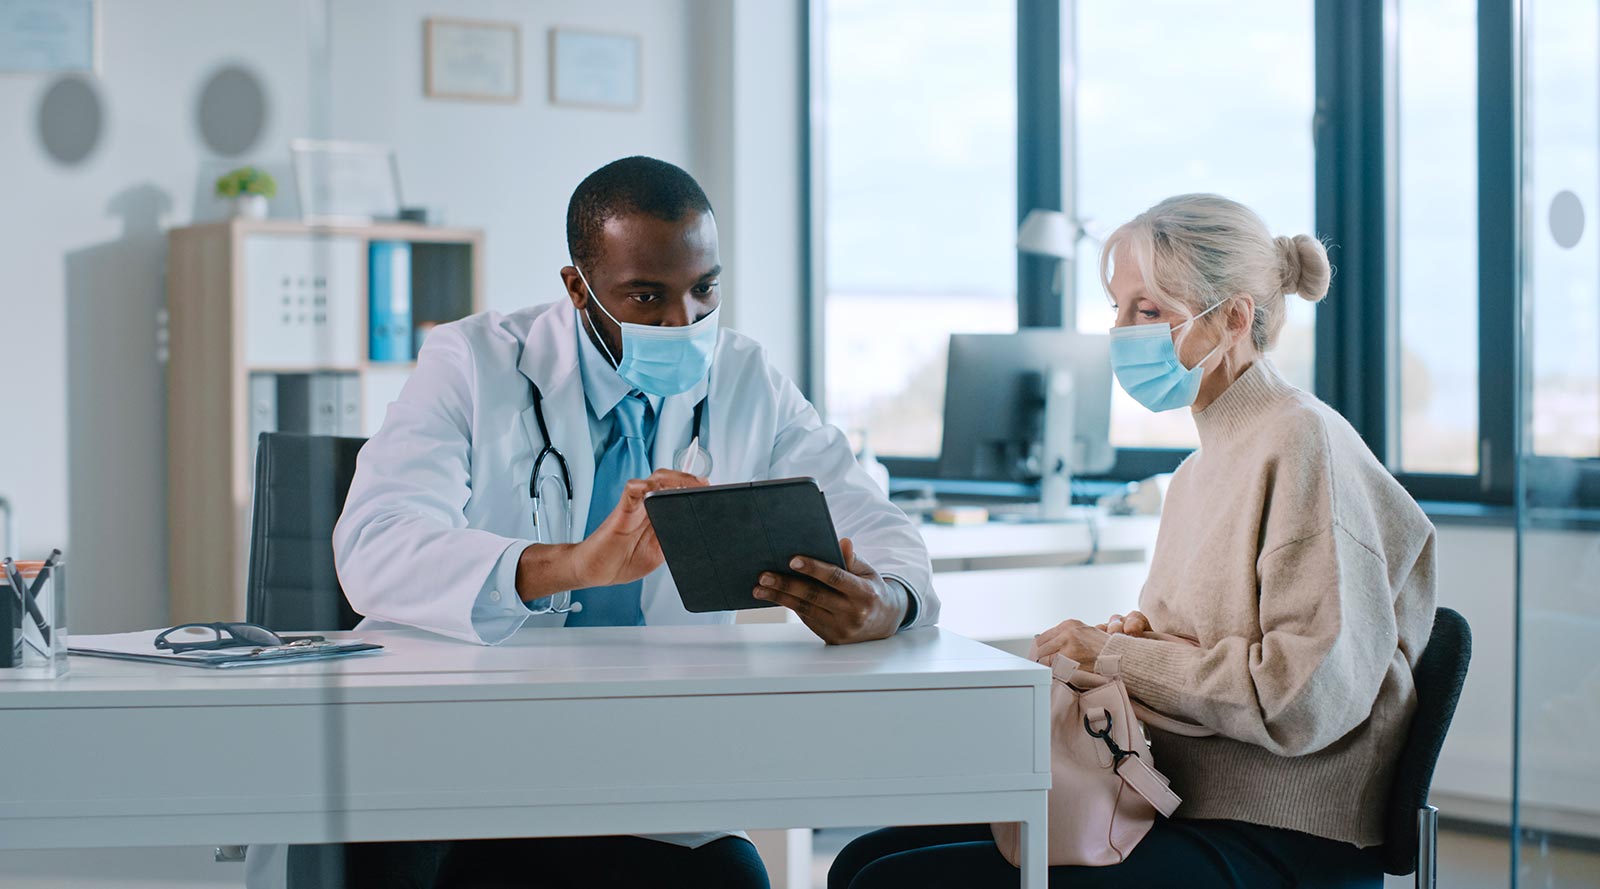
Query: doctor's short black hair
{"type": "Point", "coordinates": [630, 185]}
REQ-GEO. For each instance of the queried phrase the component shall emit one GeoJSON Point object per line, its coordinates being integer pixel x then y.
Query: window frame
{"type": "Point", "coordinates": [1355, 142]}
{"type": "Point", "coordinates": [1356, 205]}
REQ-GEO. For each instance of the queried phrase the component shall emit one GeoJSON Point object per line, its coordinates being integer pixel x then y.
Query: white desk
{"type": "Point", "coordinates": [646, 731]}
{"type": "Point", "coordinates": [1001, 583]}
{"type": "Point", "coordinates": [995, 545]}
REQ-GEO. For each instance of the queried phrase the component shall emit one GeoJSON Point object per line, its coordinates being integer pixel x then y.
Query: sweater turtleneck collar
{"type": "Point", "coordinates": [1241, 404]}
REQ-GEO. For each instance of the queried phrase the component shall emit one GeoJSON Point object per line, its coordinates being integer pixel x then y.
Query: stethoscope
{"type": "Point", "coordinates": [693, 459]}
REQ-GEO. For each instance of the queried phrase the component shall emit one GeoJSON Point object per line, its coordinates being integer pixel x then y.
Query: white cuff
{"type": "Point", "coordinates": [914, 609]}
{"type": "Point", "coordinates": [499, 611]}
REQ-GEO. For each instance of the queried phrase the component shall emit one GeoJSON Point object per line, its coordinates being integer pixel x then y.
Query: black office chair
{"type": "Point", "coordinates": [301, 483]}
{"type": "Point", "coordinates": [1411, 829]}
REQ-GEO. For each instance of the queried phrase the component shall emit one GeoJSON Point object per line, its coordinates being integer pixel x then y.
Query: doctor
{"type": "Point", "coordinates": [505, 488]}
{"type": "Point", "coordinates": [439, 529]}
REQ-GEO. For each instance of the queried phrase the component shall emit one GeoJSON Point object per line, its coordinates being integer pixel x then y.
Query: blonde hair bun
{"type": "Point", "coordinates": [1303, 267]}
{"type": "Point", "coordinates": [1194, 251]}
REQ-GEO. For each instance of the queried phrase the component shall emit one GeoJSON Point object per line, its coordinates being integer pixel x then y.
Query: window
{"type": "Point", "coordinates": [1165, 88]}
{"type": "Point", "coordinates": [917, 202]}
{"type": "Point", "coordinates": [1390, 130]}
{"type": "Point", "coordinates": [1434, 162]}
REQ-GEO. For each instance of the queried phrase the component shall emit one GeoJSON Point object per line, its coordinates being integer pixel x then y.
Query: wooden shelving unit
{"type": "Point", "coordinates": [254, 296]}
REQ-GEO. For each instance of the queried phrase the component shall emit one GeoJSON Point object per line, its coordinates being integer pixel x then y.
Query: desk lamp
{"type": "Point", "coordinates": [1051, 233]}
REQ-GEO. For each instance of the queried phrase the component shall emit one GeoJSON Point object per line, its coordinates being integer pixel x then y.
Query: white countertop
{"type": "Point", "coordinates": [1038, 544]}
{"type": "Point", "coordinates": [547, 664]}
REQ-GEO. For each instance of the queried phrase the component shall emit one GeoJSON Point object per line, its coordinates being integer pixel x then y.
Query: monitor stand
{"type": "Point", "coordinates": [1058, 445]}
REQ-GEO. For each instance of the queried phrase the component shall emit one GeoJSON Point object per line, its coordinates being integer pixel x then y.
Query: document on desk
{"type": "Point", "coordinates": [140, 646]}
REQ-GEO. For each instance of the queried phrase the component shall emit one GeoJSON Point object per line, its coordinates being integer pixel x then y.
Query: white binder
{"type": "Point", "coordinates": [263, 409]}
{"type": "Point", "coordinates": [325, 404]}
{"type": "Point", "coordinates": [349, 405]}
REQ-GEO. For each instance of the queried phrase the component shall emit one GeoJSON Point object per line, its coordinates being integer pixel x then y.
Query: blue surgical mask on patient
{"type": "Point", "coordinates": [1146, 363]}
{"type": "Point", "coordinates": [661, 361]}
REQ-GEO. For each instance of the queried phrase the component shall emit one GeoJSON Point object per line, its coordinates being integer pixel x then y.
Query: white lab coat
{"type": "Point", "coordinates": [440, 494]}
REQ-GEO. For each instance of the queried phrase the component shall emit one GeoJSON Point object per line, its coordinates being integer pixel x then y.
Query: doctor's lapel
{"type": "Point", "coordinates": [550, 360]}
{"type": "Point", "coordinates": [676, 424]}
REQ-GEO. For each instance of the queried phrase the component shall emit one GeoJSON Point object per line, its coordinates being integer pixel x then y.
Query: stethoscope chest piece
{"type": "Point", "coordinates": [693, 459]}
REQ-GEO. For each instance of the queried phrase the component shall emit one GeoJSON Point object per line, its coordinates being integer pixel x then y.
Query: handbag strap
{"type": "Point", "coordinates": [1144, 780]}
{"type": "Point", "coordinates": [1134, 769]}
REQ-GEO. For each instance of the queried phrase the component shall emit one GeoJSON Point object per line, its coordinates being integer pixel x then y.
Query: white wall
{"type": "Point", "coordinates": [509, 169]}
{"type": "Point", "coordinates": [83, 250]}
{"type": "Point", "coordinates": [721, 96]}
{"type": "Point", "coordinates": [752, 158]}
{"type": "Point", "coordinates": [84, 247]}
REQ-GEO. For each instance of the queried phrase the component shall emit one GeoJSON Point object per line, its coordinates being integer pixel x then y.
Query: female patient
{"type": "Point", "coordinates": [1305, 572]}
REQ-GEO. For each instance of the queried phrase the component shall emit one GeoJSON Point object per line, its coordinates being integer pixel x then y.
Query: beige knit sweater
{"type": "Point", "coordinates": [1307, 575]}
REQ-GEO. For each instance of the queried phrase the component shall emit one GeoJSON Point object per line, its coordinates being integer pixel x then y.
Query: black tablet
{"type": "Point", "coordinates": [718, 540]}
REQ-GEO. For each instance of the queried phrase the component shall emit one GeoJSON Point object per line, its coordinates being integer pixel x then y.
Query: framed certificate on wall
{"type": "Point", "coordinates": [479, 61]}
{"type": "Point", "coordinates": [594, 70]}
{"type": "Point", "coordinates": [49, 36]}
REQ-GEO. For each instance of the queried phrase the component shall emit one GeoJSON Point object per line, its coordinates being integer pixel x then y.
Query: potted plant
{"type": "Point", "coordinates": [249, 188]}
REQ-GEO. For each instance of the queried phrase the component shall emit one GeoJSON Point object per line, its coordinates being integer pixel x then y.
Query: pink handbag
{"type": "Point", "coordinates": [1104, 791]}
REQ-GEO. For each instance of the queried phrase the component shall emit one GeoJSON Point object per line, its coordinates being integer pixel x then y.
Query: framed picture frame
{"type": "Point", "coordinates": [596, 69]}
{"type": "Point", "coordinates": [345, 183]}
{"type": "Point", "coordinates": [472, 60]}
{"type": "Point", "coordinates": [49, 37]}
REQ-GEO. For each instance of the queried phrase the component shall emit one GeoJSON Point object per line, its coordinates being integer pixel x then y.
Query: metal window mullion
{"type": "Point", "coordinates": [1349, 127]}
{"type": "Point", "coordinates": [1500, 248]}
{"type": "Point", "coordinates": [1039, 149]}
{"type": "Point", "coordinates": [1369, 328]}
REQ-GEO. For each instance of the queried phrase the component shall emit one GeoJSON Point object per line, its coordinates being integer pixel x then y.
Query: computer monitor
{"type": "Point", "coordinates": [995, 399]}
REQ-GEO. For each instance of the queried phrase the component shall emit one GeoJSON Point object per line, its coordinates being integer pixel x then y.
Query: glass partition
{"type": "Point", "coordinates": [1557, 786]}
{"type": "Point", "coordinates": [230, 219]}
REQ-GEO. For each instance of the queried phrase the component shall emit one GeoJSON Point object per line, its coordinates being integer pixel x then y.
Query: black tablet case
{"type": "Point", "coordinates": [718, 540]}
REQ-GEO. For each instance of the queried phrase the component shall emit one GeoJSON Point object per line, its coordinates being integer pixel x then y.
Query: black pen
{"type": "Point", "coordinates": [44, 572]}
{"type": "Point", "coordinates": [14, 577]}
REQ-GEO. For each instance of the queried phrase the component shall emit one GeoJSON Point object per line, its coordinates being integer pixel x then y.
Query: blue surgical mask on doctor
{"type": "Point", "coordinates": [661, 361]}
{"type": "Point", "coordinates": [1146, 363]}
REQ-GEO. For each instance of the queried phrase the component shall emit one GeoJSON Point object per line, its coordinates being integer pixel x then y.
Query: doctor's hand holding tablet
{"type": "Point", "coordinates": [839, 603]}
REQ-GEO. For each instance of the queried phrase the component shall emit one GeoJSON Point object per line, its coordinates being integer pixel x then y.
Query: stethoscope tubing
{"type": "Point", "coordinates": [561, 603]}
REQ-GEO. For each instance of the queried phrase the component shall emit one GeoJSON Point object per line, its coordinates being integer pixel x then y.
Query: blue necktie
{"type": "Point", "coordinates": [626, 457]}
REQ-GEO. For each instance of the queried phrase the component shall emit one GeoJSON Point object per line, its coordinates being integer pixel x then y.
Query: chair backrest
{"type": "Point", "coordinates": [301, 482]}
{"type": "Point", "coordinates": [1439, 675]}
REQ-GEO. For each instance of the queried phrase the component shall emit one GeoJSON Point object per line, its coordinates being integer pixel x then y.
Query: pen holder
{"type": "Point", "coordinates": [33, 625]}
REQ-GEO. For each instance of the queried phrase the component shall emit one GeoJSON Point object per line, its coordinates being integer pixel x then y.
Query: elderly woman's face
{"type": "Point", "coordinates": [1134, 306]}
